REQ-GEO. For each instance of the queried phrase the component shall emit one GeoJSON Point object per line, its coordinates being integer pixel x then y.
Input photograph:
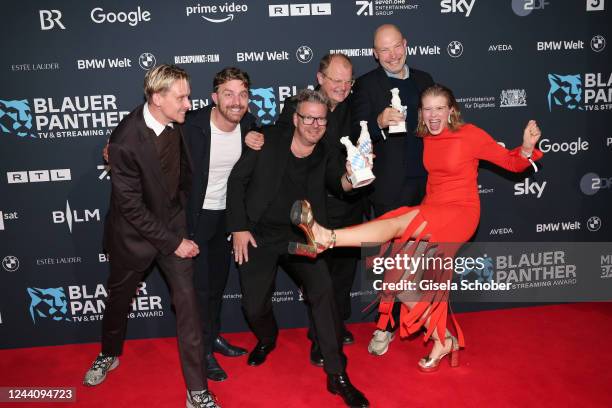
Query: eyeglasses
{"type": "Point", "coordinates": [350, 82]}
{"type": "Point", "coordinates": [309, 120]}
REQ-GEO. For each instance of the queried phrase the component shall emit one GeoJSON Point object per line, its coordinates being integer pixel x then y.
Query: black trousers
{"type": "Point", "coordinates": [122, 285]}
{"type": "Point", "coordinates": [257, 279]}
{"type": "Point", "coordinates": [211, 271]}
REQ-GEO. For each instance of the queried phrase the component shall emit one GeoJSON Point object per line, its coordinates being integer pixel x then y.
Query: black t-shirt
{"type": "Point", "coordinates": [275, 226]}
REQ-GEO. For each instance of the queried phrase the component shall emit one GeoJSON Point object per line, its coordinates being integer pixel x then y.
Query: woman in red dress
{"type": "Point", "coordinates": [449, 213]}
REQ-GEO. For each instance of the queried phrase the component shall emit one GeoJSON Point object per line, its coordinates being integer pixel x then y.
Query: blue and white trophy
{"type": "Point", "coordinates": [362, 173]}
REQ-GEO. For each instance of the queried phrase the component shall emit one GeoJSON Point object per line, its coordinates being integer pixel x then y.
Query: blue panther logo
{"type": "Point", "coordinates": [565, 90]}
{"type": "Point", "coordinates": [263, 105]}
{"type": "Point", "coordinates": [15, 117]}
{"type": "Point", "coordinates": [484, 274]}
{"type": "Point", "coordinates": [48, 303]}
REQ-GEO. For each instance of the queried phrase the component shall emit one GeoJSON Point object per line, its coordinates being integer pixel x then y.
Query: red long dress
{"type": "Point", "coordinates": [451, 209]}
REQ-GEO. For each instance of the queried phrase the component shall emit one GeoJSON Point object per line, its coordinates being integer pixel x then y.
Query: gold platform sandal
{"type": "Point", "coordinates": [302, 216]}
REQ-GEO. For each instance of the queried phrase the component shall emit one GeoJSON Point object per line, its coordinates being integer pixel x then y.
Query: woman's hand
{"type": "Point", "coordinates": [531, 135]}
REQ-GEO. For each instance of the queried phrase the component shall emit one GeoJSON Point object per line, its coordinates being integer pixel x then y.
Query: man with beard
{"type": "Point", "coordinates": [215, 135]}
{"type": "Point", "coordinates": [400, 175]}
{"type": "Point", "coordinates": [335, 78]}
{"type": "Point", "coordinates": [146, 224]}
{"type": "Point", "coordinates": [262, 187]}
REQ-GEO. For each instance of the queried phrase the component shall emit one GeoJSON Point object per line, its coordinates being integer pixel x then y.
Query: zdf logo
{"type": "Point", "coordinates": [49, 19]}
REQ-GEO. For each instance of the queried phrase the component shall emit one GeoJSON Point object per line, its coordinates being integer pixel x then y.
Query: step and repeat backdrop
{"type": "Point", "coordinates": [72, 70]}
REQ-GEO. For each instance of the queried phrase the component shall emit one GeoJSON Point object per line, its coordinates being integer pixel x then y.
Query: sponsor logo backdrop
{"type": "Point", "coordinates": [76, 68]}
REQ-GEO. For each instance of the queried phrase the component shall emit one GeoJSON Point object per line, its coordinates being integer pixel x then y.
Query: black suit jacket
{"type": "Point", "coordinates": [347, 209]}
{"type": "Point", "coordinates": [257, 177]}
{"type": "Point", "coordinates": [197, 135]}
{"type": "Point", "coordinates": [137, 224]}
{"type": "Point", "coordinates": [371, 95]}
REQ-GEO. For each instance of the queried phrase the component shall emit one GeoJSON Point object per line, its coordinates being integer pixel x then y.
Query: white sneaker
{"type": "Point", "coordinates": [380, 342]}
{"type": "Point", "coordinates": [100, 367]}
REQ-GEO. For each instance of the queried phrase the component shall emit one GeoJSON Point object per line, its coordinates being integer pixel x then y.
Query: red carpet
{"type": "Point", "coordinates": [549, 356]}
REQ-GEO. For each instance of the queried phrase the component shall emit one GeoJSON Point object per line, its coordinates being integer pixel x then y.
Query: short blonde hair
{"type": "Point", "coordinates": [456, 121]}
{"type": "Point", "coordinates": [161, 78]}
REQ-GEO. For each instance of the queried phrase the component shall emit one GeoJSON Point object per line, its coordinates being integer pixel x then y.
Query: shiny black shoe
{"type": "Point", "coordinates": [222, 346]}
{"type": "Point", "coordinates": [340, 384]}
{"type": "Point", "coordinates": [347, 337]}
{"type": "Point", "coordinates": [316, 358]}
{"type": "Point", "coordinates": [259, 353]}
{"type": "Point", "coordinates": [214, 372]}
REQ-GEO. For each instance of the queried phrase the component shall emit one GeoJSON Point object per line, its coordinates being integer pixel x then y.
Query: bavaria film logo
{"type": "Point", "coordinates": [262, 104]}
{"type": "Point", "coordinates": [16, 117]}
{"type": "Point", "coordinates": [590, 91]}
{"type": "Point", "coordinates": [49, 303]}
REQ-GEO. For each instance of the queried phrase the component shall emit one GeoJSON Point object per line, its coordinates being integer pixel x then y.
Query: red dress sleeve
{"type": "Point", "coordinates": [486, 148]}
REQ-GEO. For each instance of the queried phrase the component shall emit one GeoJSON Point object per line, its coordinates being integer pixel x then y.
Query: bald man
{"type": "Point", "coordinates": [400, 175]}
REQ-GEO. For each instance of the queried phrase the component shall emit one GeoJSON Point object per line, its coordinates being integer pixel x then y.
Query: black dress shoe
{"type": "Point", "coordinates": [259, 353]}
{"type": "Point", "coordinates": [221, 346]}
{"type": "Point", "coordinates": [316, 358]}
{"type": "Point", "coordinates": [347, 337]}
{"type": "Point", "coordinates": [214, 372]}
{"type": "Point", "coordinates": [340, 384]}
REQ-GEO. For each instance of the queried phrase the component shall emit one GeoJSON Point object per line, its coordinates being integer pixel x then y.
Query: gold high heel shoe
{"type": "Point", "coordinates": [428, 364]}
{"type": "Point", "coordinates": [302, 216]}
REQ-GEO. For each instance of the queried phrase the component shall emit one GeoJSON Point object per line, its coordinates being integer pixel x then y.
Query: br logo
{"type": "Point", "coordinates": [48, 303]}
{"type": "Point", "coordinates": [484, 274]}
{"type": "Point", "coordinates": [263, 105]}
{"type": "Point", "coordinates": [15, 117]}
{"type": "Point", "coordinates": [565, 90]}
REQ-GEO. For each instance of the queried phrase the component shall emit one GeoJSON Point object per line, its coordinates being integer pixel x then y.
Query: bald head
{"type": "Point", "coordinates": [385, 31]}
{"type": "Point", "coordinates": [390, 48]}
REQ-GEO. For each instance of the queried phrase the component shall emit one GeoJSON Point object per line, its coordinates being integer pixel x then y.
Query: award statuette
{"type": "Point", "coordinates": [396, 103]}
{"type": "Point", "coordinates": [362, 174]}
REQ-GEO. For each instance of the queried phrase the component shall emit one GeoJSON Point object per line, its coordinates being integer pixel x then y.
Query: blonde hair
{"type": "Point", "coordinates": [161, 78]}
{"type": "Point", "coordinates": [456, 121]}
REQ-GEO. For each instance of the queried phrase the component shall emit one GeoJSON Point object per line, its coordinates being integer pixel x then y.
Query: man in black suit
{"type": "Point", "coordinates": [400, 175]}
{"type": "Point", "coordinates": [216, 136]}
{"type": "Point", "coordinates": [262, 187]}
{"type": "Point", "coordinates": [335, 78]}
{"type": "Point", "coordinates": [146, 224]}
